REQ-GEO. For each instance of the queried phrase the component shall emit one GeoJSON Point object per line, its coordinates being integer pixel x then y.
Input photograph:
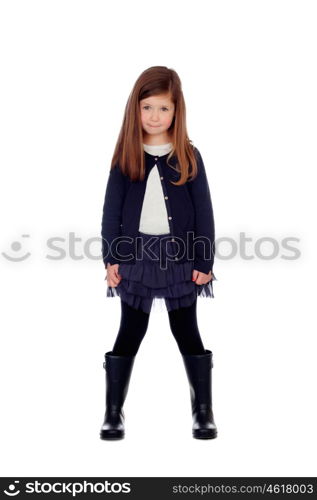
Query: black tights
{"type": "Point", "coordinates": [134, 324]}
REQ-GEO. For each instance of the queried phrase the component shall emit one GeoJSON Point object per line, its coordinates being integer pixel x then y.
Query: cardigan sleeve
{"type": "Point", "coordinates": [204, 219]}
{"type": "Point", "coordinates": [112, 214]}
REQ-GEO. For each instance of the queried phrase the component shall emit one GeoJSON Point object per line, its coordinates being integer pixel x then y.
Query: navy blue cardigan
{"type": "Point", "coordinates": [189, 209]}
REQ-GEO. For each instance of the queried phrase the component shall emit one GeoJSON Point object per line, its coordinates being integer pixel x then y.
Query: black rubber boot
{"type": "Point", "coordinates": [118, 372]}
{"type": "Point", "coordinates": [198, 369]}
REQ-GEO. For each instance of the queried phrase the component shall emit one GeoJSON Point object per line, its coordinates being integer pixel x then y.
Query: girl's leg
{"type": "Point", "coordinates": [118, 365]}
{"type": "Point", "coordinates": [133, 327]}
{"type": "Point", "coordinates": [198, 364]}
{"type": "Point", "coordinates": [183, 323]}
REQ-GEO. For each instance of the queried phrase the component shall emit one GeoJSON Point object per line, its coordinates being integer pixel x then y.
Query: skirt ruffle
{"type": "Point", "coordinates": [144, 284]}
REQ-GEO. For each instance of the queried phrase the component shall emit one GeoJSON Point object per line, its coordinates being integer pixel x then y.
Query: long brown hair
{"type": "Point", "coordinates": [129, 152]}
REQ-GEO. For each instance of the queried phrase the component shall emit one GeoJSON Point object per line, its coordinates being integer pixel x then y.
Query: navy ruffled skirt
{"type": "Point", "coordinates": [154, 278]}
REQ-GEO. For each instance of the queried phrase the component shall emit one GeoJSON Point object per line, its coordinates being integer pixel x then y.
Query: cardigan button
{"type": "Point", "coordinates": [162, 178]}
{"type": "Point", "coordinates": [166, 197]}
{"type": "Point", "coordinates": [170, 218]}
{"type": "Point", "coordinates": [173, 239]}
{"type": "Point", "coordinates": [155, 158]}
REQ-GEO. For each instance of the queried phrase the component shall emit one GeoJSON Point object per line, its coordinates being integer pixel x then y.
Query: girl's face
{"type": "Point", "coordinates": [157, 114]}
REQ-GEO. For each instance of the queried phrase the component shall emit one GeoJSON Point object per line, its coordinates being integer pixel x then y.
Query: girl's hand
{"type": "Point", "coordinates": [201, 278]}
{"type": "Point", "coordinates": [113, 276]}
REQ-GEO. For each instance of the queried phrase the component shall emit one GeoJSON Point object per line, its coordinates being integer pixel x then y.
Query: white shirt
{"type": "Point", "coordinates": [154, 218]}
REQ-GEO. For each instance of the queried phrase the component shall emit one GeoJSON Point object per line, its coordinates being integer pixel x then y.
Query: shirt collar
{"type": "Point", "coordinates": [158, 149]}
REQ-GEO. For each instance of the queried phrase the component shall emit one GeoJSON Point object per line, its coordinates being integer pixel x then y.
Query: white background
{"type": "Point", "coordinates": [248, 70]}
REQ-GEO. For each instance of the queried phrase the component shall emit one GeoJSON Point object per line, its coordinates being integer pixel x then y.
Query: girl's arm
{"type": "Point", "coordinates": [204, 219]}
{"type": "Point", "coordinates": [111, 219]}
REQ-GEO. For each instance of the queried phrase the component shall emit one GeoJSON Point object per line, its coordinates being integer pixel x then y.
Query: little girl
{"type": "Point", "coordinates": [157, 242]}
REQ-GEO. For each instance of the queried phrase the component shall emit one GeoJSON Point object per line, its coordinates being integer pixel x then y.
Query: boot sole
{"type": "Point", "coordinates": [204, 434]}
{"type": "Point", "coordinates": [111, 436]}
